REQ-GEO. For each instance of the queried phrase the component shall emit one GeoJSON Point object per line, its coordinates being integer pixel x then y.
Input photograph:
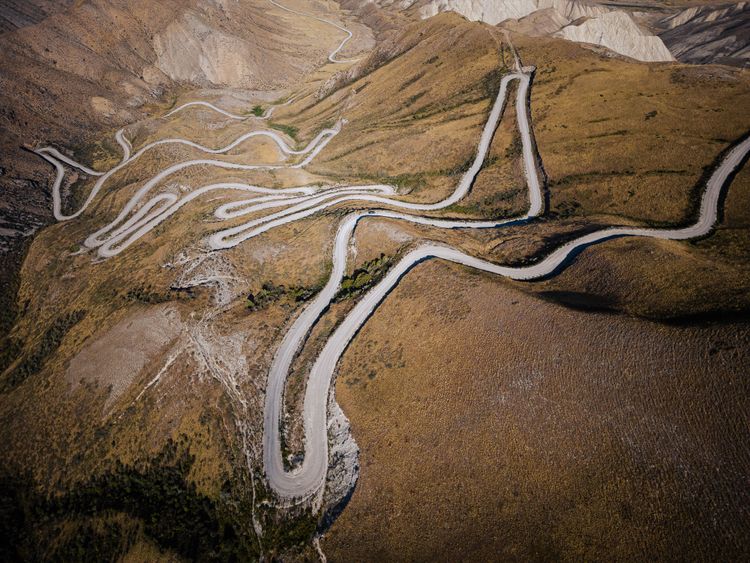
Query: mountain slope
{"type": "Point", "coordinates": [707, 34]}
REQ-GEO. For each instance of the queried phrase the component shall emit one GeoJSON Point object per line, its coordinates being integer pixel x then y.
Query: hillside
{"type": "Point", "coordinates": [68, 80]}
{"type": "Point", "coordinates": [232, 177]}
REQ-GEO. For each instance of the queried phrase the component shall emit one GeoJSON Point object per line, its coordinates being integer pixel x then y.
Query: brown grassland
{"type": "Point", "coordinates": [485, 411]}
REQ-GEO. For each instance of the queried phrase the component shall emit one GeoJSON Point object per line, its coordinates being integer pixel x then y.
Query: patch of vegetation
{"type": "Point", "coordinates": [572, 179]}
{"type": "Point", "coordinates": [515, 149]}
{"type": "Point", "coordinates": [49, 343]}
{"type": "Point", "coordinates": [158, 493]}
{"type": "Point", "coordinates": [496, 205]}
{"type": "Point", "coordinates": [95, 540]}
{"type": "Point", "coordinates": [364, 277]}
{"type": "Point", "coordinates": [490, 83]}
{"type": "Point", "coordinates": [10, 265]}
{"type": "Point", "coordinates": [148, 295]}
{"type": "Point", "coordinates": [103, 151]}
{"type": "Point", "coordinates": [295, 533]}
{"type": "Point", "coordinates": [618, 133]}
{"type": "Point", "coordinates": [486, 88]}
{"type": "Point", "coordinates": [463, 167]}
{"type": "Point", "coordinates": [411, 99]}
{"type": "Point", "coordinates": [407, 182]}
{"type": "Point", "coordinates": [412, 80]}
{"type": "Point", "coordinates": [565, 208]}
{"type": "Point", "coordinates": [10, 349]}
{"type": "Point", "coordinates": [290, 130]}
{"type": "Point", "coordinates": [352, 150]}
{"type": "Point", "coordinates": [258, 111]}
{"type": "Point", "coordinates": [270, 293]}
{"type": "Point", "coordinates": [410, 182]}
{"type": "Point", "coordinates": [267, 294]}
{"type": "Point", "coordinates": [650, 115]}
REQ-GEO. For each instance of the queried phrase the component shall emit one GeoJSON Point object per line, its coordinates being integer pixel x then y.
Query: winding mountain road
{"type": "Point", "coordinates": [140, 216]}
{"type": "Point", "coordinates": [308, 479]}
{"type": "Point", "coordinates": [332, 55]}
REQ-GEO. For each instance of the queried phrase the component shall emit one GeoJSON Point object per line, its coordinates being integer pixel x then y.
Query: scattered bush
{"type": "Point", "coordinates": [412, 80]}
{"type": "Point", "coordinates": [267, 294]}
{"type": "Point", "coordinates": [146, 294]}
{"type": "Point", "coordinates": [290, 130]}
{"type": "Point", "coordinates": [270, 293]}
{"type": "Point", "coordinates": [49, 343]}
{"type": "Point", "coordinates": [364, 277]}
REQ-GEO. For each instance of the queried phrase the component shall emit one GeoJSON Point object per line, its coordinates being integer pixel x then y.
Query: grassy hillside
{"type": "Point", "coordinates": [115, 360]}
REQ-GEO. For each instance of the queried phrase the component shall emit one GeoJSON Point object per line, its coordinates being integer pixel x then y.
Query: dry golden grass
{"type": "Point", "coordinates": [415, 121]}
{"type": "Point", "coordinates": [496, 426]}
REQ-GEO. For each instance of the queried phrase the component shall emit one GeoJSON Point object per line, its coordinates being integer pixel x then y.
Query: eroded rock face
{"type": "Point", "coordinates": [706, 34]}
{"type": "Point", "coordinates": [493, 12]}
{"type": "Point", "coordinates": [570, 19]}
{"type": "Point", "coordinates": [619, 33]}
{"type": "Point", "coordinates": [343, 469]}
{"type": "Point", "coordinates": [538, 24]}
{"type": "Point", "coordinates": [15, 14]}
{"type": "Point", "coordinates": [190, 50]}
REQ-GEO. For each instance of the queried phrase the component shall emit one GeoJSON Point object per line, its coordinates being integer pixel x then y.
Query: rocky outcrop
{"type": "Point", "coordinates": [493, 12]}
{"type": "Point", "coordinates": [570, 19]}
{"type": "Point", "coordinates": [708, 34]}
{"type": "Point", "coordinates": [538, 24]}
{"type": "Point", "coordinates": [343, 469]}
{"type": "Point", "coordinates": [619, 33]}
{"type": "Point", "coordinates": [15, 14]}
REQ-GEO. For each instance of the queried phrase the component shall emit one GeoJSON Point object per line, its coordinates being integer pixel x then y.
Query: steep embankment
{"type": "Point", "coordinates": [618, 32]}
{"type": "Point", "coordinates": [577, 21]}
{"type": "Point", "coordinates": [706, 34]}
{"type": "Point", "coordinates": [15, 14]}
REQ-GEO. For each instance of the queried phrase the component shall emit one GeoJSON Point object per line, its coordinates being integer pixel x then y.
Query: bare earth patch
{"type": "Point", "coordinates": [116, 359]}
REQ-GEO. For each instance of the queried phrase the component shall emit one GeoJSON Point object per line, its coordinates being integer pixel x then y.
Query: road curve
{"type": "Point", "coordinates": [266, 114]}
{"type": "Point", "coordinates": [56, 158]}
{"type": "Point", "coordinates": [138, 217]}
{"type": "Point", "coordinates": [332, 56]}
{"type": "Point", "coordinates": [235, 235]}
{"type": "Point", "coordinates": [308, 479]}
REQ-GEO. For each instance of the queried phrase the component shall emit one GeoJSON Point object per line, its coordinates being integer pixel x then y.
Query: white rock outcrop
{"type": "Point", "coordinates": [570, 19]}
{"type": "Point", "coordinates": [538, 24]}
{"type": "Point", "coordinates": [343, 454]}
{"type": "Point", "coordinates": [618, 32]}
{"type": "Point", "coordinates": [493, 11]}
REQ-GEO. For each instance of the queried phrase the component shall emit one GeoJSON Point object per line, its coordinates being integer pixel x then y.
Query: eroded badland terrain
{"type": "Point", "coordinates": [513, 237]}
